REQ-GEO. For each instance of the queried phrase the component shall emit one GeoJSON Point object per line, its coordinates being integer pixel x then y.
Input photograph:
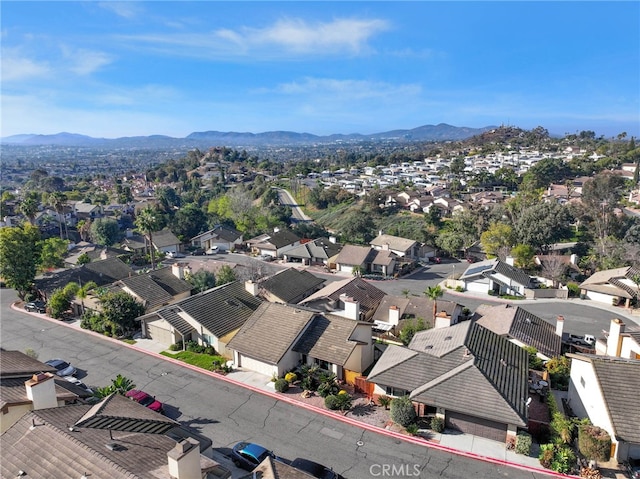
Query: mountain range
{"type": "Point", "coordinates": [206, 139]}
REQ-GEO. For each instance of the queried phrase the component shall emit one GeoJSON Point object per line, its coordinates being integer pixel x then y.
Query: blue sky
{"type": "Point", "coordinates": [111, 69]}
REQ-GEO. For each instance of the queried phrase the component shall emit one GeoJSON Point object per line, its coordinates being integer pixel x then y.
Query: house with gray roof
{"type": "Point", "coordinates": [278, 337]}
{"type": "Point", "coordinates": [274, 244]}
{"type": "Point", "coordinates": [319, 251]}
{"type": "Point", "coordinates": [523, 328]}
{"type": "Point", "coordinates": [115, 439]}
{"type": "Point", "coordinates": [612, 286]}
{"type": "Point", "coordinates": [165, 241]}
{"type": "Point", "coordinates": [289, 286]}
{"type": "Point", "coordinates": [210, 318]}
{"type": "Point", "coordinates": [402, 247]}
{"type": "Point", "coordinates": [395, 311]}
{"type": "Point", "coordinates": [366, 259]}
{"type": "Point", "coordinates": [353, 298]}
{"type": "Point", "coordinates": [476, 380]}
{"type": "Point", "coordinates": [620, 341]}
{"type": "Point", "coordinates": [496, 276]}
{"type": "Point", "coordinates": [222, 237]}
{"type": "Point", "coordinates": [606, 389]}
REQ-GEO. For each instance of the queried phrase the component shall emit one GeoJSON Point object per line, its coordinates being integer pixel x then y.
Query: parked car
{"type": "Point", "coordinates": [172, 255]}
{"type": "Point", "coordinates": [265, 257]}
{"type": "Point", "coordinates": [633, 468]}
{"type": "Point", "coordinates": [145, 399]}
{"type": "Point", "coordinates": [36, 307]}
{"type": "Point", "coordinates": [80, 384]}
{"type": "Point", "coordinates": [248, 455]}
{"type": "Point", "coordinates": [63, 368]}
{"type": "Point", "coordinates": [315, 469]}
{"type": "Point", "coordinates": [213, 250]}
{"type": "Point", "coordinates": [198, 252]}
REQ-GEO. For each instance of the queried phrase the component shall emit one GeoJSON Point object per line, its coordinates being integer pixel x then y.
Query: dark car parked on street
{"type": "Point", "coordinates": [36, 307]}
{"type": "Point", "coordinates": [315, 469]}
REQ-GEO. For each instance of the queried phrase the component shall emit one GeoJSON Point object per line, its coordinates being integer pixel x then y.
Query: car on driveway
{"type": "Point", "coordinates": [633, 468]}
{"type": "Point", "coordinates": [63, 368]}
{"type": "Point", "coordinates": [315, 469]}
{"type": "Point", "coordinates": [145, 399]}
{"type": "Point", "coordinates": [35, 307]}
{"type": "Point", "coordinates": [248, 455]}
{"type": "Point", "coordinates": [80, 384]}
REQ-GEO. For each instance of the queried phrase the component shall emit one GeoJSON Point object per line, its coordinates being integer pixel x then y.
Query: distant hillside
{"type": "Point", "coordinates": [206, 139]}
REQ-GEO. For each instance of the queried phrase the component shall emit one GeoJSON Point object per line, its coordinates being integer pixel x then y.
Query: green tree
{"type": "Point", "coordinates": [29, 206]}
{"type": "Point", "coordinates": [189, 221]}
{"type": "Point", "coordinates": [19, 255]}
{"type": "Point", "coordinates": [119, 311]}
{"type": "Point", "coordinates": [226, 275]}
{"type": "Point", "coordinates": [83, 292]}
{"type": "Point", "coordinates": [358, 226]}
{"type": "Point", "coordinates": [410, 328]}
{"type": "Point", "coordinates": [60, 301]}
{"type": "Point", "coordinates": [57, 200]}
{"type": "Point", "coordinates": [542, 225]}
{"type": "Point", "coordinates": [202, 280]}
{"type": "Point", "coordinates": [119, 385]}
{"type": "Point", "coordinates": [523, 255]}
{"type": "Point", "coordinates": [148, 222]}
{"type": "Point", "coordinates": [403, 411]}
{"type": "Point", "coordinates": [105, 231]}
{"type": "Point", "coordinates": [497, 238]}
{"type": "Point", "coordinates": [83, 259]}
{"type": "Point", "coordinates": [52, 253]}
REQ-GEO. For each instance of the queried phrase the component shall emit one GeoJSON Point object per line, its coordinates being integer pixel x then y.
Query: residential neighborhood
{"type": "Point", "coordinates": [437, 306]}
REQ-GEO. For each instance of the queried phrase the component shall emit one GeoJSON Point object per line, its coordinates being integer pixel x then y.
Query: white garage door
{"type": "Point", "coordinates": [255, 365]}
{"type": "Point", "coordinates": [159, 334]}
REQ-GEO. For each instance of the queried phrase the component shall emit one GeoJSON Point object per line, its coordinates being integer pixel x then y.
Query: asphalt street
{"type": "Point", "coordinates": [227, 413]}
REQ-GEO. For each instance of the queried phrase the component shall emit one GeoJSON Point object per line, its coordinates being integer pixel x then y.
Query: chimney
{"type": "Point", "coordinates": [251, 287]}
{"type": "Point", "coordinates": [184, 460]}
{"type": "Point", "coordinates": [380, 232]}
{"type": "Point", "coordinates": [560, 325]}
{"type": "Point", "coordinates": [178, 270]}
{"type": "Point", "coordinates": [332, 239]}
{"type": "Point", "coordinates": [276, 229]}
{"type": "Point", "coordinates": [614, 341]}
{"type": "Point", "coordinates": [385, 247]}
{"type": "Point", "coordinates": [351, 307]}
{"type": "Point", "coordinates": [573, 259]}
{"type": "Point", "coordinates": [443, 320]}
{"type": "Point", "coordinates": [509, 260]}
{"type": "Point", "coordinates": [41, 391]}
{"type": "Point", "coordinates": [394, 315]}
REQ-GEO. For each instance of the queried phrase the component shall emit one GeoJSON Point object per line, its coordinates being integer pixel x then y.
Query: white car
{"type": "Point", "coordinates": [172, 255]}
{"type": "Point", "coordinates": [78, 383]}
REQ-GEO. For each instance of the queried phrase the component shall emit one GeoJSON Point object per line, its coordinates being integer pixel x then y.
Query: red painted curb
{"type": "Point", "coordinates": [314, 409]}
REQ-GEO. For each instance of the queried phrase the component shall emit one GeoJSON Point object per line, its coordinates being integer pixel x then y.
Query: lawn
{"type": "Point", "coordinates": [204, 361]}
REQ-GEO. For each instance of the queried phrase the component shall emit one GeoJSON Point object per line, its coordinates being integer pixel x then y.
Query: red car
{"type": "Point", "coordinates": [145, 399]}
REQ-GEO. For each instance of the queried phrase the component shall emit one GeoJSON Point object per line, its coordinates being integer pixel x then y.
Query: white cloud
{"type": "Point", "coordinates": [18, 68]}
{"type": "Point", "coordinates": [122, 9]}
{"type": "Point", "coordinates": [283, 38]}
{"type": "Point", "coordinates": [353, 89]}
{"type": "Point", "coordinates": [85, 62]}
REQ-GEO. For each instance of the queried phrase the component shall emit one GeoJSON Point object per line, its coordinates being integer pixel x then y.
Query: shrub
{"type": "Point", "coordinates": [523, 443]}
{"type": "Point", "coordinates": [210, 350]}
{"type": "Point", "coordinates": [290, 377]}
{"type": "Point", "coordinates": [194, 347]}
{"type": "Point", "coordinates": [574, 290]}
{"type": "Point", "coordinates": [547, 451]}
{"type": "Point", "coordinates": [412, 429]}
{"type": "Point", "coordinates": [459, 289]}
{"type": "Point", "coordinates": [281, 385]}
{"type": "Point", "coordinates": [594, 443]}
{"type": "Point", "coordinates": [559, 369]}
{"type": "Point", "coordinates": [384, 401]}
{"type": "Point", "coordinates": [338, 401]}
{"type": "Point", "coordinates": [402, 411]}
{"type": "Point", "coordinates": [332, 402]}
{"type": "Point", "coordinates": [563, 460]}
{"type": "Point", "coordinates": [176, 346]}
{"type": "Point", "coordinates": [437, 424]}
{"type": "Point", "coordinates": [328, 389]}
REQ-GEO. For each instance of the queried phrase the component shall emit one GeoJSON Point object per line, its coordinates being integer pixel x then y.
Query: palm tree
{"type": "Point", "coordinates": [56, 200]}
{"type": "Point", "coordinates": [83, 292]}
{"type": "Point", "coordinates": [357, 271]}
{"type": "Point", "coordinates": [29, 207]}
{"type": "Point", "coordinates": [147, 222]}
{"type": "Point", "coordinates": [433, 293]}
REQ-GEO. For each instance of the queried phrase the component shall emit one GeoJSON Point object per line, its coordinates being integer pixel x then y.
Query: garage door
{"type": "Point", "coordinates": [477, 426]}
{"type": "Point", "coordinates": [161, 335]}
{"type": "Point", "coordinates": [255, 365]}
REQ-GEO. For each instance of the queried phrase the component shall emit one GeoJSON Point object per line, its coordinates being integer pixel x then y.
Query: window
{"type": "Point", "coordinates": [323, 364]}
{"type": "Point", "coordinates": [397, 392]}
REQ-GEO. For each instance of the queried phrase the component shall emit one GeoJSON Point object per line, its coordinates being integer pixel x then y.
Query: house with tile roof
{"type": "Point", "coordinates": [476, 380]}
{"type": "Point", "coordinates": [115, 439]}
{"type": "Point", "coordinates": [523, 328]}
{"type": "Point", "coordinates": [278, 337]}
{"type": "Point", "coordinates": [274, 244]}
{"type": "Point", "coordinates": [210, 318]}
{"type": "Point", "coordinates": [366, 259]}
{"type": "Point", "coordinates": [27, 384]}
{"type": "Point", "coordinates": [619, 342]}
{"type": "Point", "coordinates": [289, 286]}
{"type": "Point", "coordinates": [319, 251]}
{"type": "Point", "coordinates": [395, 311]}
{"type": "Point", "coordinates": [402, 247]}
{"type": "Point", "coordinates": [496, 276]}
{"type": "Point", "coordinates": [222, 237]}
{"type": "Point", "coordinates": [165, 241]}
{"type": "Point", "coordinates": [606, 389]}
{"type": "Point", "coordinates": [612, 286]}
{"type": "Point", "coordinates": [353, 298]}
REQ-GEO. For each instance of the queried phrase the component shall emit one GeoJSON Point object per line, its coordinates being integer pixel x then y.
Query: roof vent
{"type": "Point", "coordinates": [503, 362]}
{"type": "Point", "coordinates": [114, 446]}
{"type": "Point", "coordinates": [231, 302]}
{"type": "Point", "coordinates": [448, 338]}
{"type": "Point", "coordinates": [429, 346]}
